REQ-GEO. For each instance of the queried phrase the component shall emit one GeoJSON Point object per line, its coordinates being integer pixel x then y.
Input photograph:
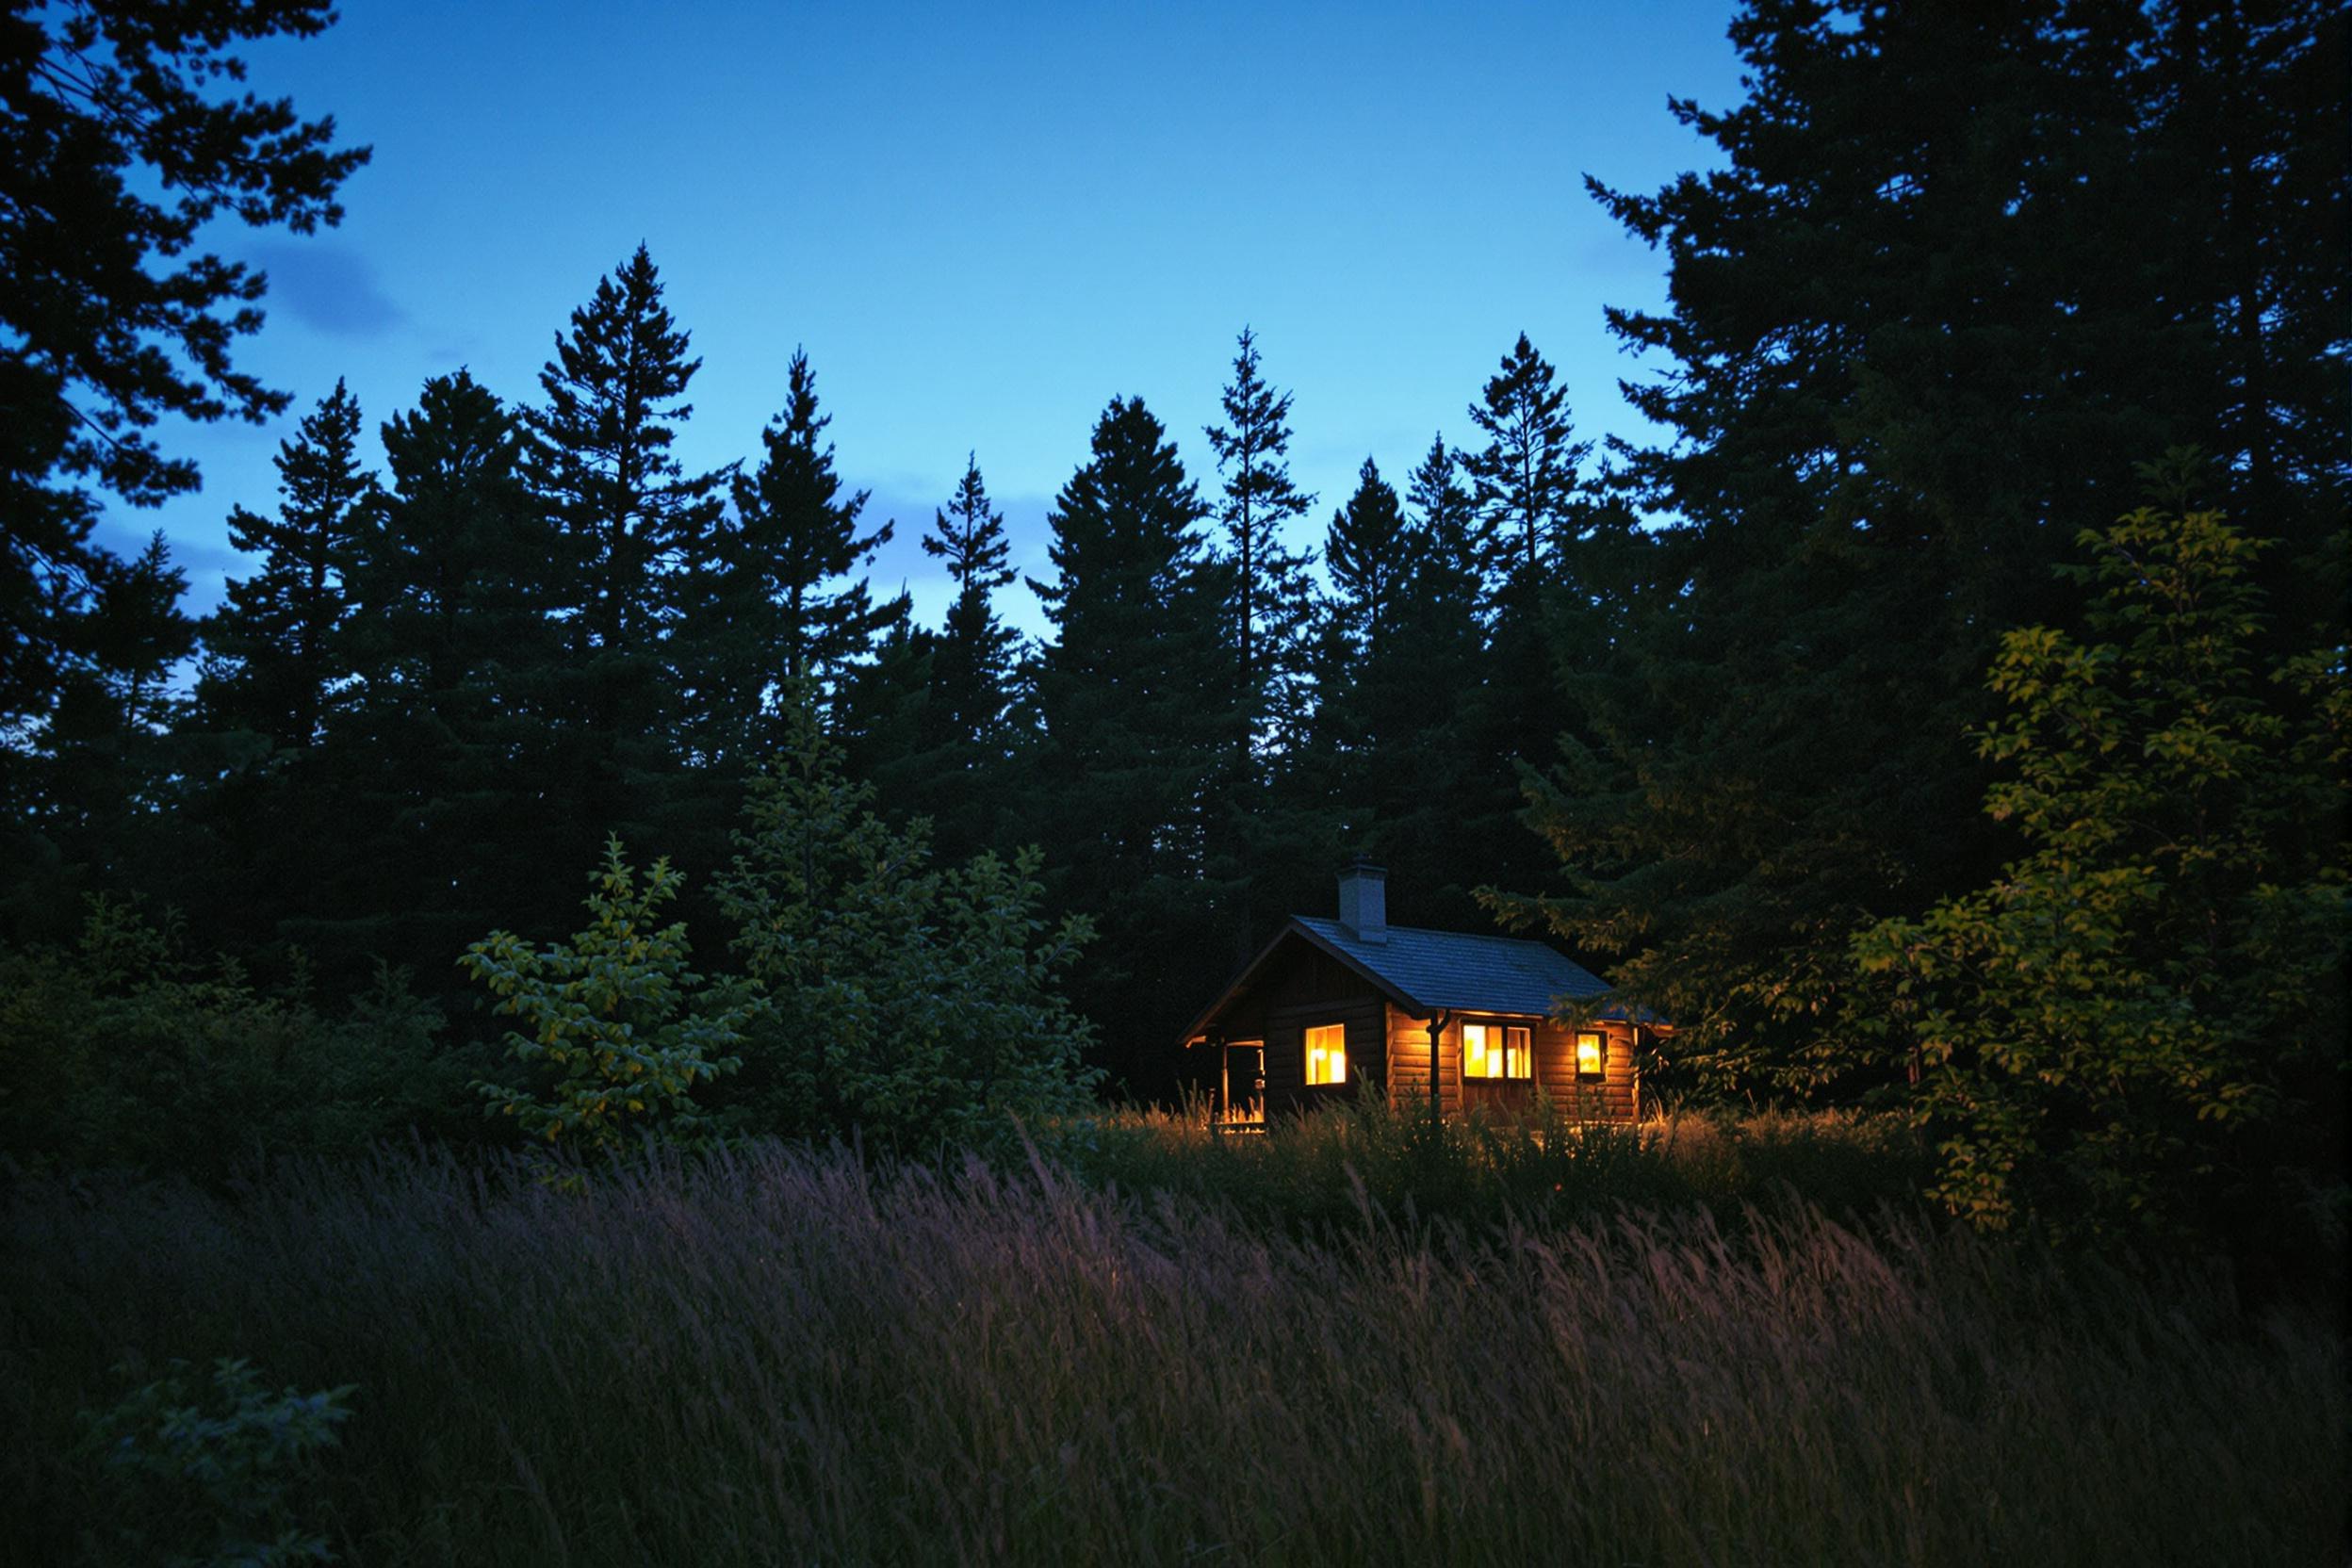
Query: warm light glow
{"type": "Point", "coordinates": [1327, 1054]}
{"type": "Point", "coordinates": [1591, 1054]}
{"type": "Point", "coordinates": [1496, 1050]}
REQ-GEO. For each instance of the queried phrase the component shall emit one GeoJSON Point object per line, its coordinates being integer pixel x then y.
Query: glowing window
{"type": "Point", "coordinates": [1327, 1054]}
{"type": "Point", "coordinates": [1591, 1054]}
{"type": "Point", "coordinates": [1496, 1050]}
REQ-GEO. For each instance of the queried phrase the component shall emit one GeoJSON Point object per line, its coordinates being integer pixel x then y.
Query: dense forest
{"type": "Point", "coordinates": [1947, 711]}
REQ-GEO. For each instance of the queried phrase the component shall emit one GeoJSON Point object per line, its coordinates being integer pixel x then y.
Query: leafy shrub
{"type": "Point", "coordinates": [204, 1475]}
{"type": "Point", "coordinates": [2138, 1027]}
{"type": "Point", "coordinates": [124, 1051]}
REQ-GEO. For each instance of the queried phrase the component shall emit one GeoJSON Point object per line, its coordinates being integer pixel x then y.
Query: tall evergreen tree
{"type": "Point", "coordinates": [629, 516]}
{"type": "Point", "coordinates": [1368, 551]}
{"type": "Point", "coordinates": [793, 609]}
{"type": "Point", "coordinates": [1962, 269]}
{"type": "Point", "coordinates": [1132, 730]}
{"type": "Point", "coordinates": [972, 669]}
{"type": "Point", "coordinates": [1441, 807]}
{"type": "Point", "coordinates": [1266, 620]}
{"type": "Point", "coordinates": [1445, 522]}
{"type": "Point", "coordinates": [882, 714]}
{"type": "Point", "coordinates": [116, 153]}
{"type": "Point", "coordinates": [98, 761]}
{"type": "Point", "coordinates": [1524, 478]}
{"type": "Point", "coordinates": [1364, 550]}
{"type": "Point", "coordinates": [630, 526]}
{"type": "Point", "coordinates": [442, 756]}
{"type": "Point", "coordinates": [272, 644]}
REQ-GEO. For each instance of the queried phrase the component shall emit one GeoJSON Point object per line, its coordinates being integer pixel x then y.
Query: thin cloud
{"type": "Point", "coordinates": [330, 288]}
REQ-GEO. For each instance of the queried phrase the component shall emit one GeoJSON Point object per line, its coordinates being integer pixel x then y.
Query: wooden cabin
{"type": "Point", "coordinates": [1337, 1008]}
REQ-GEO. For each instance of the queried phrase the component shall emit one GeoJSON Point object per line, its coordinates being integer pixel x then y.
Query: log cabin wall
{"type": "Point", "coordinates": [1614, 1097]}
{"type": "Point", "coordinates": [1310, 987]}
{"type": "Point", "coordinates": [1409, 1063]}
{"type": "Point", "coordinates": [1286, 1089]}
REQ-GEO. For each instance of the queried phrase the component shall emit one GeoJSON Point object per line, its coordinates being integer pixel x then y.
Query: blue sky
{"type": "Point", "coordinates": [982, 223]}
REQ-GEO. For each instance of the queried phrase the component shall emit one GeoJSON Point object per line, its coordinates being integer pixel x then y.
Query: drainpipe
{"type": "Point", "coordinates": [1437, 1104]}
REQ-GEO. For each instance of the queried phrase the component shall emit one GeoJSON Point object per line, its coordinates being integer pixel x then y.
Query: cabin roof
{"type": "Point", "coordinates": [1426, 971]}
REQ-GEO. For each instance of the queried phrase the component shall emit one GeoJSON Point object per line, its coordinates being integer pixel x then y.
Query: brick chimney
{"type": "Point", "coordinates": [1363, 900]}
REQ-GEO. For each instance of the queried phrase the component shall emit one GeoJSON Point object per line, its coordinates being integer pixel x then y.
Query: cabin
{"type": "Point", "coordinates": [1337, 1008]}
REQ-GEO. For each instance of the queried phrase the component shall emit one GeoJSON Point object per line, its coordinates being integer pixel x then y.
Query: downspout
{"type": "Point", "coordinates": [1641, 1036]}
{"type": "Point", "coordinates": [1437, 1105]}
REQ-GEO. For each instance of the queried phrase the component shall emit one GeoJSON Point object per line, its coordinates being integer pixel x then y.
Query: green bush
{"type": "Point", "coordinates": [623, 1028]}
{"type": "Point", "coordinates": [122, 1051]}
{"type": "Point", "coordinates": [2137, 1028]}
{"type": "Point", "coordinates": [913, 1004]}
{"type": "Point", "coordinates": [205, 1474]}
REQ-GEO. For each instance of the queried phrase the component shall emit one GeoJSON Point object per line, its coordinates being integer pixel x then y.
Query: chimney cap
{"type": "Point", "coordinates": [1363, 865]}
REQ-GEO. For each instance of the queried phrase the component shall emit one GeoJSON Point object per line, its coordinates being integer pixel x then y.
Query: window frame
{"type": "Point", "coordinates": [1307, 1053]}
{"type": "Point", "coordinates": [1502, 1048]}
{"type": "Point", "coordinates": [1599, 1073]}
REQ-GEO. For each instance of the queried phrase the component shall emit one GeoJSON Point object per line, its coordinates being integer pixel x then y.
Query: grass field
{"type": "Point", "coordinates": [780, 1356]}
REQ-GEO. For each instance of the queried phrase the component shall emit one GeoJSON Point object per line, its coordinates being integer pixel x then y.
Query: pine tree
{"type": "Point", "coordinates": [1904, 338]}
{"type": "Point", "coordinates": [1445, 526]}
{"type": "Point", "coordinates": [1266, 620]}
{"type": "Point", "coordinates": [99, 774]}
{"type": "Point", "coordinates": [632, 530]}
{"type": "Point", "coordinates": [1133, 729]}
{"type": "Point", "coordinates": [934, 986]}
{"type": "Point", "coordinates": [1365, 551]}
{"type": "Point", "coordinates": [1440, 813]}
{"type": "Point", "coordinates": [1525, 476]}
{"type": "Point", "coordinates": [972, 668]}
{"type": "Point", "coordinates": [1327, 778]}
{"type": "Point", "coordinates": [793, 609]}
{"type": "Point", "coordinates": [116, 153]}
{"type": "Point", "coordinates": [441, 755]}
{"type": "Point", "coordinates": [272, 643]}
{"type": "Point", "coordinates": [627, 514]}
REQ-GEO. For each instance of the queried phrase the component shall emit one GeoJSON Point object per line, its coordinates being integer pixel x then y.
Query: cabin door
{"type": "Point", "coordinates": [1241, 1092]}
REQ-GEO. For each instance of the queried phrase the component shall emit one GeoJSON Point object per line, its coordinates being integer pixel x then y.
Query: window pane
{"type": "Point", "coordinates": [1474, 1053]}
{"type": "Point", "coordinates": [1327, 1054]}
{"type": "Point", "coordinates": [1591, 1054]}
{"type": "Point", "coordinates": [1518, 1056]}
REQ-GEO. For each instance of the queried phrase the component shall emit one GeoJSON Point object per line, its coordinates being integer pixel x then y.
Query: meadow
{"type": "Point", "coordinates": [1149, 1345]}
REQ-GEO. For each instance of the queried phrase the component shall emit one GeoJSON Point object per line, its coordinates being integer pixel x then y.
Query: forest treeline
{"type": "Point", "coordinates": [1718, 712]}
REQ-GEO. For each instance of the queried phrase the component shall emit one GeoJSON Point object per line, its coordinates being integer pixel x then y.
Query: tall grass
{"type": "Point", "coordinates": [779, 1356]}
{"type": "Point", "coordinates": [1544, 1169]}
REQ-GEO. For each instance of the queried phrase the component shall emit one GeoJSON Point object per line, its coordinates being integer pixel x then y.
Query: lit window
{"type": "Point", "coordinates": [1496, 1050]}
{"type": "Point", "coordinates": [1591, 1054]}
{"type": "Point", "coordinates": [1327, 1054]}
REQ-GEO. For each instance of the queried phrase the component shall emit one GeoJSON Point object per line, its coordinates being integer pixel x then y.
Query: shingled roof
{"type": "Point", "coordinates": [1426, 971]}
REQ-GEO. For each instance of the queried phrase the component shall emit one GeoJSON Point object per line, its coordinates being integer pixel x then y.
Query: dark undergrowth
{"type": "Point", "coordinates": [1542, 1169]}
{"type": "Point", "coordinates": [775, 1355]}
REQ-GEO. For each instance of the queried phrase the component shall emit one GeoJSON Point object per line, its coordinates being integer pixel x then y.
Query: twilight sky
{"type": "Point", "coordinates": [983, 221]}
